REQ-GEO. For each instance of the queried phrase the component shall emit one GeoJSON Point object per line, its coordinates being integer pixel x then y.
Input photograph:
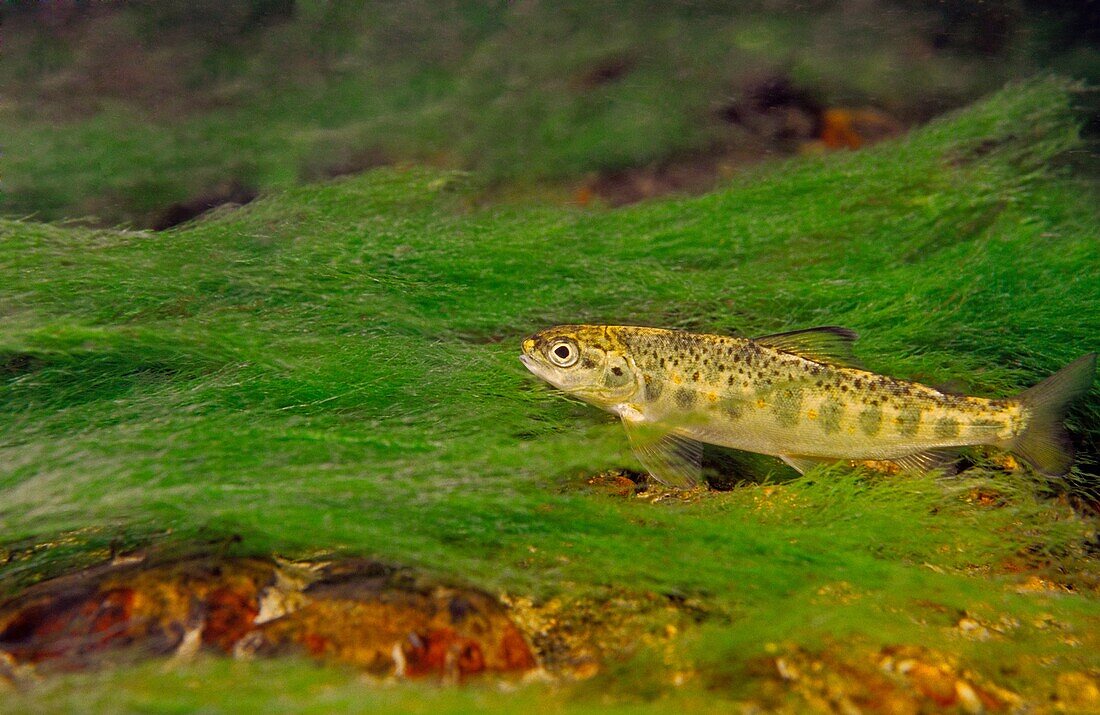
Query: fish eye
{"type": "Point", "coordinates": [563, 353]}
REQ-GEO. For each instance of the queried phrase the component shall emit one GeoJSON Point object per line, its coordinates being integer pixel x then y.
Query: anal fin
{"type": "Point", "coordinates": [924, 461]}
{"type": "Point", "coordinates": [802, 463]}
{"type": "Point", "coordinates": [927, 460]}
{"type": "Point", "coordinates": [671, 459]}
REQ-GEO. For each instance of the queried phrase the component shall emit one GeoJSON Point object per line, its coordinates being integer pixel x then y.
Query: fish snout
{"type": "Point", "coordinates": [526, 356]}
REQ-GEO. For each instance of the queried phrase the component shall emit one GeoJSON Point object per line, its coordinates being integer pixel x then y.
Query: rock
{"type": "Point", "coordinates": [383, 620]}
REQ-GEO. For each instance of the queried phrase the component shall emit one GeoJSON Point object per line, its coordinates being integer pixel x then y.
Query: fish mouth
{"type": "Point", "coordinates": [528, 362]}
{"type": "Point", "coordinates": [536, 368]}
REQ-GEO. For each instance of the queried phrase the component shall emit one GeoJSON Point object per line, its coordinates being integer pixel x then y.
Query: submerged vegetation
{"type": "Point", "coordinates": [331, 371]}
{"type": "Point", "coordinates": [117, 112]}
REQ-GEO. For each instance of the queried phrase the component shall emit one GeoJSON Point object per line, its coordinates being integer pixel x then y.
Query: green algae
{"type": "Point", "coordinates": [333, 369]}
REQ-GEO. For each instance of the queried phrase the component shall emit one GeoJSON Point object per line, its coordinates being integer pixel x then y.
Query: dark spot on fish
{"type": "Point", "coordinates": [947, 427]}
{"type": "Point", "coordinates": [908, 421]}
{"type": "Point", "coordinates": [870, 420]}
{"type": "Point", "coordinates": [828, 416]}
{"type": "Point", "coordinates": [588, 363]}
{"type": "Point", "coordinates": [721, 367]}
{"type": "Point", "coordinates": [859, 383]}
{"type": "Point", "coordinates": [786, 404]}
{"type": "Point", "coordinates": [695, 377]}
{"type": "Point", "coordinates": [732, 407]}
{"type": "Point", "coordinates": [731, 380]}
{"type": "Point", "coordinates": [843, 388]}
{"type": "Point", "coordinates": [685, 398]}
{"type": "Point", "coordinates": [653, 388]}
{"type": "Point", "coordinates": [617, 370]}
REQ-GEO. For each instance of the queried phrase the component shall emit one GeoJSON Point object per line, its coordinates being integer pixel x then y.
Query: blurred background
{"type": "Point", "coordinates": [146, 114]}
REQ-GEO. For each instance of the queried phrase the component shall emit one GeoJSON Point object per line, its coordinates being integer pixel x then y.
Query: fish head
{"type": "Point", "coordinates": [587, 361]}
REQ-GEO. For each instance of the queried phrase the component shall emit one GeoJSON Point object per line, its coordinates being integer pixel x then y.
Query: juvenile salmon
{"type": "Point", "coordinates": [799, 396]}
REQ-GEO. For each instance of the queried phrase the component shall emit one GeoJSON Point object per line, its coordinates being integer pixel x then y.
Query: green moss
{"type": "Point", "coordinates": [333, 369]}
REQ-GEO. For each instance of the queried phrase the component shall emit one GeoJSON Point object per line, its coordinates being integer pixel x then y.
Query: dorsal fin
{"type": "Point", "coordinates": [829, 344]}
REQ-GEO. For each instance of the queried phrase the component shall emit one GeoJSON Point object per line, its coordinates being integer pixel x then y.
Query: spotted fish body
{"type": "Point", "coordinates": [795, 395]}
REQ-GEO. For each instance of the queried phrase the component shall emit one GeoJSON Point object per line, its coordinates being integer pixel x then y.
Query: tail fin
{"type": "Point", "coordinates": [1044, 443]}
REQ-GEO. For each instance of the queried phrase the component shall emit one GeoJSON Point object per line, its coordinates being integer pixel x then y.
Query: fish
{"type": "Point", "coordinates": [801, 396]}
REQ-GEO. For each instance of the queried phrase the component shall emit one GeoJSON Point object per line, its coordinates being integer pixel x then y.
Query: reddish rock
{"type": "Point", "coordinates": [229, 615]}
{"type": "Point", "coordinates": [355, 612]}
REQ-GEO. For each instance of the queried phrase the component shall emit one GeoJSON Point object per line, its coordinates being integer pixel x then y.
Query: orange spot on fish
{"type": "Point", "coordinates": [761, 404]}
{"type": "Point", "coordinates": [811, 414]}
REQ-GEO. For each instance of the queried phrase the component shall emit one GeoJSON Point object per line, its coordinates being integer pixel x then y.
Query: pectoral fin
{"type": "Point", "coordinates": [671, 459]}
